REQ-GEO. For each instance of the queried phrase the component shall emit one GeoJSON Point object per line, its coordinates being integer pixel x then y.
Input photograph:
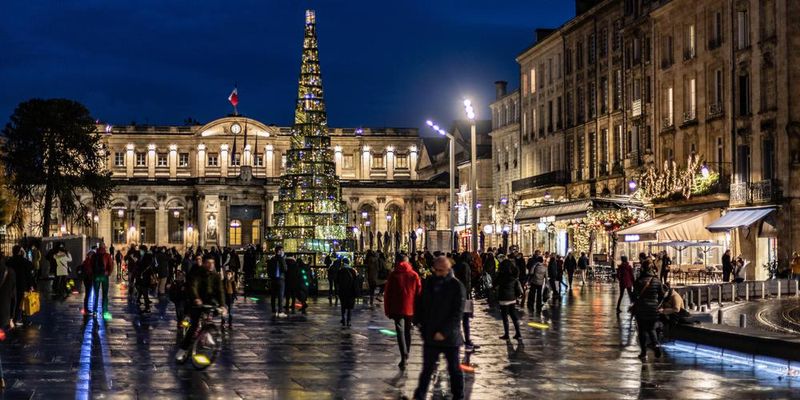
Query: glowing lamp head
{"type": "Point", "coordinates": [429, 123]}
{"type": "Point", "coordinates": [632, 185]}
{"type": "Point", "coordinates": [467, 103]}
{"type": "Point", "coordinates": [704, 171]}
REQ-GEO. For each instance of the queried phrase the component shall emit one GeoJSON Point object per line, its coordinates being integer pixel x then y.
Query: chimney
{"type": "Point", "coordinates": [500, 89]}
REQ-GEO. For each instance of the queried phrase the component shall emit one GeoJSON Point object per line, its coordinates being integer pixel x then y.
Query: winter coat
{"type": "Point", "coordinates": [292, 275]}
{"type": "Point", "coordinates": [440, 308]}
{"type": "Point", "coordinates": [62, 263]}
{"type": "Point", "coordinates": [647, 297]}
{"type": "Point", "coordinates": [506, 282]}
{"type": "Point", "coordinates": [552, 269]}
{"type": "Point", "coordinates": [625, 275]}
{"type": "Point", "coordinates": [570, 264]}
{"type": "Point", "coordinates": [274, 264]}
{"type": "Point", "coordinates": [8, 292]}
{"type": "Point", "coordinates": [463, 273]}
{"type": "Point", "coordinates": [583, 262]}
{"type": "Point", "coordinates": [163, 261]}
{"type": "Point", "coordinates": [346, 286]}
{"type": "Point", "coordinates": [538, 274]}
{"type": "Point", "coordinates": [207, 286]}
{"type": "Point", "coordinates": [372, 265]}
{"type": "Point", "coordinates": [23, 270]}
{"type": "Point", "coordinates": [402, 288]}
{"type": "Point", "coordinates": [88, 263]}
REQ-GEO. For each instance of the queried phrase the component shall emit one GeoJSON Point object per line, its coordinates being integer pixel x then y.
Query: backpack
{"type": "Point", "coordinates": [98, 266]}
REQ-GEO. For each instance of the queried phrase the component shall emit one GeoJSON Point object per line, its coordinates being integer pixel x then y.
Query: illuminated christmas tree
{"type": "Point", "coordinates": [309, 215]}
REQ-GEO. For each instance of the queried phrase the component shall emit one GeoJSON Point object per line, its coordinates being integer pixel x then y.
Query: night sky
{"type": "Point", "coordinates": [384, 63]}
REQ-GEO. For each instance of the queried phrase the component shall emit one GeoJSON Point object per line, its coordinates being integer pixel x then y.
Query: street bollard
{"type": "Point", "coordinates": [763, 290]}
{"type": "Point", "coordinates": [742, 320]}
{"type": "Point", "coordinates": [708, 297]}
{"type": "Point", "coordinates": [719, 298]}
{"type": "Point", "coordinates": [747, 291]}
{"type": "Point", "coordinates": [690, 302]}
{"type": "Point", "coordinates": [779, 288]}
{"type": "Point", "coordinates": [796, 288]}
{"type": "Point", "coordinates": [702, 309]}
{"type": "Point", "coordinates": [719, 316]}
{"type": "Point", "coordinates": [733, 292]}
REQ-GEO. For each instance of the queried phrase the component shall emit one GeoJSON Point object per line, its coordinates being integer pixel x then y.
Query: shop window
{"type": "Point", "coordinates": [256, 231]}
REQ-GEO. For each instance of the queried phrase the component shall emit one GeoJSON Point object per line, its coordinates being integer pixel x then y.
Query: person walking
{"type": "Point", "coordinates": [727, 266]}
{"type": "Point", "coordinates": [536, 280]}
{"type": "Point", "coordinates": [23, 271]}
{"type": "Point", "coordinates": [552, 276]}
{"type": "Point", "coordinates": [62, 259]}
{"type": "Point", "coordinates": [333, 271]}
{"type": "Point", "coordinates": [570, 264]}
{"type": "Point", "coordinates": [118, 263]}
{"type": "Point", "coordinates": [647, 297]}
{"type": "Point", "coordinates": [508, 290]}
{"type": "Point", "coordinates": [102, 266]}
{"type": "Point", "coordinates": [402, 288]}
{"type": "Point", "coordinates": [145, 277]}
{"type": "Point", "coordinates": [87, 278]}
{"type": "Point", "coordinates": [583, 265]}
{"type": "Point", "coordinates": [8, 292]}
{"type": "Point", "coordinates": [438, 312]}
{"type": "Point", "coordinates": [231, 292]}
{"type": "Point", "coordinates": [463, 272]}
{"type": "Point", "coordinates": [371, 262]}
{"type": "Point", "coordinates": [347, 290]}
{"type": "Point", "coordinates": [625, 279]}
{"type": "Point", "coordinates": [666, 267]}
{"type": "Point", "coordinates": [795, 266]}
{"type": "Point", "coordinates": [277, 274]}
{"type": "Point", "coordinates": [292, 284]}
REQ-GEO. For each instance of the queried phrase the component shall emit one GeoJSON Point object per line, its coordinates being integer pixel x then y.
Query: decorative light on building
{"type": "Point", "coordinates": [190, 229]}
{"type": "Point", "coordinates": [420, 231]}
{"type": "Point", "coordinates": [364, 214]}
{"type": "Point", "coordinates": [388, 217]}
{"type": "Point", "coordinates": [478, 205]}
{"type": "Point", "coordinates": [173, 148]}
{"type": "Point", "coordinates": [96, 218]}
{"type": "Point", "coordinates": [151, 147]}
{"type": "Point", "coordinates": [632, 185]}
{"type": "Point", "coordinates": [337, 149]}
{"type": "Point", "coordinates": [412, 149]}
{"type": "Point", "coordinates": [487, 229]}
{"type": "Point", "coordinates": [108, 128]}
{"type": "Point", "coordinates": [547, 195]}
{"type": "Point", "coordinates": [504, 201]}
{"type": "Point", "coordinates": [120, 213]}
{"type": "Point", "coordinates": [355, 230]}
{"type": "Point", "coordinates": [63, 228]}
{"type": "Point", "coordinates": [368, 223]}
{"type": "Point", "coordinates": [89, 214]}
{"type": "Point", "coordinates": [390, 149]}
{"type": "Point", "coordinates": [176, 213]}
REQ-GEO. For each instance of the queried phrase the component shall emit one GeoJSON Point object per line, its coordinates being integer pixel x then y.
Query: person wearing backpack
{"type": "Point", "coordinates": [145, 274]}
{"type": "Point", "coordinates": [536, 279]}
{"type": "Point", "coordinates": [84, 273]}
{"type": "Point", "coordinates": [102, 265]}
{"type": "Point", "coordinates": [508, 290]}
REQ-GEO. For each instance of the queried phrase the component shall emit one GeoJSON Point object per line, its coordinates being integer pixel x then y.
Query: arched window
{"type": "Point", "coordinates": [235, 233]}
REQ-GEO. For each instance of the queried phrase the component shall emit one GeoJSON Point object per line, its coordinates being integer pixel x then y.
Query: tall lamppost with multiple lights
{"type": "Point", "coordinates": [452, 142]}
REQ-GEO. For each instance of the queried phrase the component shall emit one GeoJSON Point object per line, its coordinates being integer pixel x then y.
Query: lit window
{"type": "Point", "coordinates": [162, 160]}
{"type": "Point", "coordinates": [377, 161]}
{"type": "Point", "coordinates": [235, 233]}
{"type": "Point", "coordinates": [401, 162]}
{"type": "Point", "coordinates": [119, 159]}
{"type": "Point", "coordinates": [212, 160]}
{"type": "Point", "coordinates": [283, 162]}
{"type": "Point", "coordinates": [183, 160]}
{"type": "Point", "coordinates": [141, 159]}
{"type": "Point", "coordinates": [259, 160]}
{"type": "Point", "coordinates": [256, 231]}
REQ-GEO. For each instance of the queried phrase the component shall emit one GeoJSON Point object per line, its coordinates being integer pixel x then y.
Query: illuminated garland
{"type": "Point", "coordinates": [669, 183]}
{"type": "Point", "coordinates": [607, 221]}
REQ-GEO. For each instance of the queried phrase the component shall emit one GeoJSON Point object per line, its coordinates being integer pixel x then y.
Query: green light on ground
{"type": "Point", "coordinates": [388, 332]}
{"type": "Point", "coordinates": [107, 316]}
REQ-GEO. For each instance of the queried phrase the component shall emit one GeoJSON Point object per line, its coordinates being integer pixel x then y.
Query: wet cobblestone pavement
{"type": "Point", "coordinates": [776, 315]}
{"type": "Point", "coordinates": [586, 353]}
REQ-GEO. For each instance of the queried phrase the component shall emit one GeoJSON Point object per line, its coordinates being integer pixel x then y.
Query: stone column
{"type": "Point", "coordinates": [389, 162]}
{"type": "Point", "coordinates": [162, 218]}
{"type": "Point", "coordinates": [200, 161]}
{"type": "Point", "coordinates": [151, 160]}
{"type": "Point", "coordinates": [270, 199]}
{"type": "Point", "coordinates": [337, 159]}
{"type": "Point", "coordinates": [222, 222]}
{"type": "Point", "coordinates": [269, 160]}
{"type": "Point", "coordinates": [172, 161]}
{"type": "Point", "coordinates": [380, 215]}
{"type": "Point", "coordinates": [223, 160]}
{"type": "Point", "coordinates": [412, 162]}
{"type": "Point", "coordinates": [246, 160]}
{"type": "Point", "coordinates": [200, 227]}
{"type": "Point", "coordinates": [104, 226]}
{"type": "Point", "coordinates": [130, 159]}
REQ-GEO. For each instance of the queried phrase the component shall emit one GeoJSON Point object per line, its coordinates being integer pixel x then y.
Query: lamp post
{"type": "Point", "coordinates": [473, 172]}
{"type": "Point", "coordinates": [452, 142]}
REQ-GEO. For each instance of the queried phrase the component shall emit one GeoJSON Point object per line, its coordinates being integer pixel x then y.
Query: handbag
{"type": "Point", "coordinates": [31, 303]}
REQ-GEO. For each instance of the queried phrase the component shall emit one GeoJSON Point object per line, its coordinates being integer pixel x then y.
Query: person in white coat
{"type": "Point", "coordinates": [62, 259]}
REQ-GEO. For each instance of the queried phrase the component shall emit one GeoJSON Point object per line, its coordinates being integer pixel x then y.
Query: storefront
{"type": "Point", "coordinates": [676, 233]}
{"type": "Point", "coordinates": [751, 234]}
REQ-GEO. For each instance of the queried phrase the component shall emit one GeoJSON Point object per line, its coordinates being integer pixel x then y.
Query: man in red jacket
{"type": "Point", "coordinates": [101, 265]}
{"type": "Point", "coordinates": [402, 288]}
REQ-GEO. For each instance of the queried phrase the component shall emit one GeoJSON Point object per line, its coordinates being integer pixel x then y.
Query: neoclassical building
{"type": "Point", "coordinates": [215, 184]}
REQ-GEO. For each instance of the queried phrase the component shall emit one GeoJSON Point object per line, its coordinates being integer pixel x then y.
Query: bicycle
{"type": "Point", "coordinates": [207, 340]}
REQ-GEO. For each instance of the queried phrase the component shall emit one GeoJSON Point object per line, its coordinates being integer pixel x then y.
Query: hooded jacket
{"type": "Point", "coordinates": [402, 288]}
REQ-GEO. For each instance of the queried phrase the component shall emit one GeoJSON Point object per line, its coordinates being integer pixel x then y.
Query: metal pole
{"type": "Point", "coordinates": [474, 185]}
{"type": "Point", "coordinates": [452, 192]}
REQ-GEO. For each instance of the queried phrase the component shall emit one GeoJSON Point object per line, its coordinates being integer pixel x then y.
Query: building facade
{"type": "Point", "coordinates": [206, 185]}
{"type": "Point", "coordinates": [506, 164]}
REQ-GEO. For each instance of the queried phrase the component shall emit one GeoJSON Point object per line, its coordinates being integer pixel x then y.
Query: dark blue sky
{"type": "Point", "coordinates": [384, 63]}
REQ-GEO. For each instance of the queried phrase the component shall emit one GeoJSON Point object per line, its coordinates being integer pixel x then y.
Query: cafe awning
{"type": "Point", "coordinates": [556, 211]}
{"type": "Point", "coordinates": [739, 218]}
{"type": "Point", "coordinates": [672, 227]}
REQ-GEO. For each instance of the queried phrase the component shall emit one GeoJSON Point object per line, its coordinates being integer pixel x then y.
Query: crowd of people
{"type": "Point", "coordinates": [433, 291]}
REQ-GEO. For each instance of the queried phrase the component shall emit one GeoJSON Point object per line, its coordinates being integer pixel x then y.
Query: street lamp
{"type": "Point", "coordinates": [632, 185]}
{"type": "Point", "coordinates": [452, 142]}
{"type": "Point", "coordinates": [473, 172]}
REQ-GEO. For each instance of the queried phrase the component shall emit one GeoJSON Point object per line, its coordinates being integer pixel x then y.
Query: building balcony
{"type": "Point", "coordinates": [689, 117]}
{"type": "Point", "coordinates": [689, 54]}
{"type": "Point", "coordinates": [667, 123]}
{"type": "Point", "coordinates": [553, 178]}
{"type": "Point", "coordinates": [715, 110]}
{"type": "Point", "coordinates": [761, 192]}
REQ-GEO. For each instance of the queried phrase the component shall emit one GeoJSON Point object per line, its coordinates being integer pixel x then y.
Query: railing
{"type": "Point", "coordinates": [715, 110]}
{"type": "Point", "coordinates": [740, 193]}
{"type": "Point", "coordinates": [546, 179]}
{"type": "Point", "coordinates": [765, 191]}
{"type": "Point", "coordinates": [689, 116]}
{"type": "Point", "coordinates": [704, 297]}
